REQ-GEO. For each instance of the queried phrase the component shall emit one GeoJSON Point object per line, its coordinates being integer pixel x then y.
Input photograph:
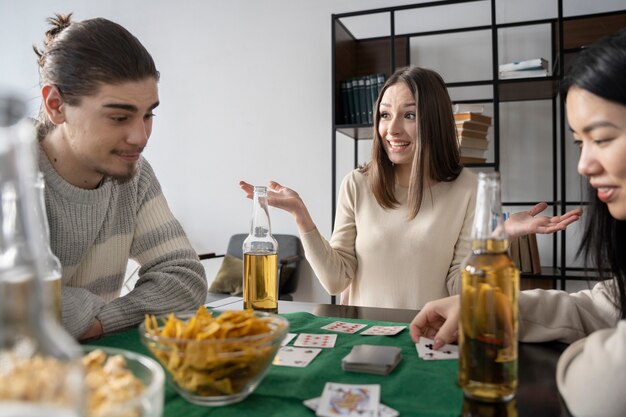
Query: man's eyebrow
{"type": "Point", "coordinates": [128, 107]}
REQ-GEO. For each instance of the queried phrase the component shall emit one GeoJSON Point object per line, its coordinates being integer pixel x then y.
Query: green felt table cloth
{"type": "Point", "coordinates": [415, 388]}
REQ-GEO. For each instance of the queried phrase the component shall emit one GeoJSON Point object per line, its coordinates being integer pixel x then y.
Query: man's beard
{"type": "Point", "coordinates": [122, 178]}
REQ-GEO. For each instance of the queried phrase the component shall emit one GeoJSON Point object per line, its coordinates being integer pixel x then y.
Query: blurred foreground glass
{"type": "Point", "coordinates": [260, 259]}
{"type": "Point", "coordinates": [40, 370]}
{"type": "Point", "coordinates": [51, 264]}
{"type": "Point", "coordinates": [489, 303]}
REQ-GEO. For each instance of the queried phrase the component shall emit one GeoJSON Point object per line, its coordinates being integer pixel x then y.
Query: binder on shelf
{"type": "Point", "coordinates": [356, 117]}
{"type": "Point", "coordinates": [362, 101]}
{"type": "Point", "coordinates": [373, 95]}
{"type": "Point", "coordinates": [346, 92]}
{"type": "Point", "coordinates": [534, 254]}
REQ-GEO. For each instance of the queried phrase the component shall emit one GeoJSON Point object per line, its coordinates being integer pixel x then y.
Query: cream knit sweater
{"type": "Point", "coordinates": [387, 260]}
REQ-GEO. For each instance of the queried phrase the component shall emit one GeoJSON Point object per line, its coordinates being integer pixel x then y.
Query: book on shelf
{"type": "Point", "coordinates": [534, 254]}
{"type": "Point", "coordinates": [464, 133]}
{"type": "Point", "coordinates": [355, 112]}
{"type": "Point", "coordinates": [346, 96]}
{"type": "Point", "coordinates": [471, 160]}
{"type": "Point", "coordinates": [475, 117]}
{"type": "Point", "coordinates": [507, 75]}
{"type": "Point", "coordinates": [535, 63]}
{"type": "Point", "coordinates": [472, 125]}
{"type": "Point", "coordinates": [465, 108]}
{"type": "Point", "coordinates": [472, 152]}
{"type": "Point", "coordinates": [358, 96]}
{"type": "Point", "coordinates": [466, 142]}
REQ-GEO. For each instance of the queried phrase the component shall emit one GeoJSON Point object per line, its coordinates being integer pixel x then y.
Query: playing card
{"type": "Point", "coordinates": [383, 410]}
{"type": "Point", "coordinates": [383, 330]}
{"type": "Point", "coordinates": [344, 327]}
{"type": "Point", "coordinates": [425, 350]}
{"type": "Point", "coordinates": [288, 338]}
{"type": "Point", "coordinates": [296, 357]}
{"type": "Point", "coordinates": [349, 400]}
{"type": "Point", "coordinates": [316, 340]}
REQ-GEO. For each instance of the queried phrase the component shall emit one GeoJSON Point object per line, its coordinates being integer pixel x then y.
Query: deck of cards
{"type": "Point", "coordinates": [372, 359]}
{"type": "Point", "coordinates": [425, 350]}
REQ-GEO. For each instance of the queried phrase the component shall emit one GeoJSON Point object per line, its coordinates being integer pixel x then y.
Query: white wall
{"type": "Point", "coordinates": [245, 94]}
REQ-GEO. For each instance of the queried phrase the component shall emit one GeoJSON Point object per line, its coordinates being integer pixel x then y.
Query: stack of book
{"type": "Point", "coordinates": [471, 129]}
{"type": "Point", "coordinates": [537, 67]}
{"type": "Point", "coordinates": [358, 97]}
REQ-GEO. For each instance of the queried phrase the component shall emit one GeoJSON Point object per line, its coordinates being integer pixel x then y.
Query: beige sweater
{"type": "Point", "coordinates": [387, 260]}
{"type": "Point", "coordinates": [591, 373]}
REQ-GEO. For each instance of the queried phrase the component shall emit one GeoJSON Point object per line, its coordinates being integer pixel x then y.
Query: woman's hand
{"type": "Point", "coordinates": [438, 320]}
{"type": "Point", "coordinates": [525, 222]}
{"type": "Point", "coordinates": [286, 199]}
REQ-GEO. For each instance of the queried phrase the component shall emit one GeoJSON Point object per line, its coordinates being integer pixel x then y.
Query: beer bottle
{"type": "Point", "coordinates": [41, 370]}
{"type": "Point", "coordinates": [260, 259]}
{"type": "Point", "coordinates": [489, 303]}
{"type": "Point", "coordinates": [52, 266]}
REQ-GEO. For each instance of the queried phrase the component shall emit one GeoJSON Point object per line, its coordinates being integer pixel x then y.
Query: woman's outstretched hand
{"type": "Point", "coordinates": [286, 199]}
{"type": "Point", "coordinates": [527, 222]}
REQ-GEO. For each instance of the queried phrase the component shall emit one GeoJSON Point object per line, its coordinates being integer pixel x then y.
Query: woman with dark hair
{"type": "Point", "coordinates": [103, 200]}
{"type": "Point", "coordinates": [403, 220]}
{"type": "Point", "coordinates": [591, 373]}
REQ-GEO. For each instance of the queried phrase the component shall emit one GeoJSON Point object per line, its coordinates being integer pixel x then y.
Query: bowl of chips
{"type": "Point", "coordinates": [121, 383]}
{"type": "Point", "coordinates": [214, 358]}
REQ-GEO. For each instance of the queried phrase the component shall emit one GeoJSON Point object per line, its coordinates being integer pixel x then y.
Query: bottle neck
{"type": "Point", "coordinates": [260, 225]}
{"type": "Point", "coordinates": [488, 229]}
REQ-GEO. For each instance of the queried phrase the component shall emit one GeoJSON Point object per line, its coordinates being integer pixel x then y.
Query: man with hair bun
{"type": "Point", "coordinates": [104, 202]}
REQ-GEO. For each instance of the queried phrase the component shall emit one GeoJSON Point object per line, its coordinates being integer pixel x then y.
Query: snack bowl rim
{"type": "Point", "coordinates": [154, 367]}
{"type": "Point", "coordinates": [273, 337]}
{"type": "Point", "coordinates": [188, 314]}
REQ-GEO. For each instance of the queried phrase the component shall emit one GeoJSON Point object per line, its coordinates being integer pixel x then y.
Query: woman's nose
{"type": "Point", "coordinates": [587, 162]}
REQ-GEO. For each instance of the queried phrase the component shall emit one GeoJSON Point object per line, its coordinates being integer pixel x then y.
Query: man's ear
{"type": "Point", "coordinates": [53, 104]}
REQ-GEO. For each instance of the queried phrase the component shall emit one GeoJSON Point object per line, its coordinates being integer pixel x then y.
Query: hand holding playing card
{"type": "Point", "coordinates": [426, 350]}
{"type": "Point", "coordinates": [438, 320]}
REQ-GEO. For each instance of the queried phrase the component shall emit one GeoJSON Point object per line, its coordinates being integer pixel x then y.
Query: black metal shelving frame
{"type": "Point", "coordinates": [545, 88]}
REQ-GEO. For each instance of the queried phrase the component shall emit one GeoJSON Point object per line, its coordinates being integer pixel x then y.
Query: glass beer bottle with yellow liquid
{"type": "Point", "coordinates": [260, 259]}
{"type": "Point", "coordinates": [489, 303]}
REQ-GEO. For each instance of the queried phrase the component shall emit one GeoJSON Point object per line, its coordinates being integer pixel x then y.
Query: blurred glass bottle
{"type": "Point", "coordinates": [40, 369]}
{"type": "Point", "coordinates": [51, 264]}
{"type": "Point", "coordinates": [260, 259]}
{"type": "Point", "coordinates": [489, 303]}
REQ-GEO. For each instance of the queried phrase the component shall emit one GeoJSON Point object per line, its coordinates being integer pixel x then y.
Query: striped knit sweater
{"type": "Point", "coordinates": [95, 232]}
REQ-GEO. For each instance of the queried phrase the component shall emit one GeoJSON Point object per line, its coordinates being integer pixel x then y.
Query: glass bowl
{"type": "Point", "coordinates": [216, 372]}
{"type": "Point", "coordinates": [108, 392]}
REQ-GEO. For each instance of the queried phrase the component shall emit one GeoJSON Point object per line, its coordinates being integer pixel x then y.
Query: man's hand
{"type": "Point", "coordinates": [438, 320]}
{"type": "Point", "coordinates": [94, 331]}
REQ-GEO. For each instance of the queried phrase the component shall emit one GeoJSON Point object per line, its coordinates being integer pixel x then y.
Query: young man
{"type": "Point", "coordinates": [104, 203]}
